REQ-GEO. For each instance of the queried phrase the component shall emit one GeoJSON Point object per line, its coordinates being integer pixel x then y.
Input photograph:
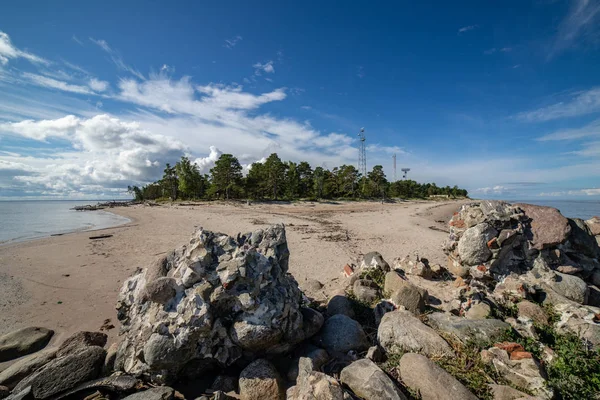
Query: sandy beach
{"type": "Point", "coordinates": [70, 283]}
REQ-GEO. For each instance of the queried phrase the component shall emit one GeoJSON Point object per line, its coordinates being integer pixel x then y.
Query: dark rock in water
{"type": "Point", "coordinates": [548, 226]}
{"type": "Point", "coordinates": [80, 340]}
{"type": "Point", "coordinates": [232, 296]}
{"type": "Point", "coordinates": [368, 381]}
{"type": "Point", "coordinates": [23, 341]}
{"type": "Point", "coordinates": [157, 393]}
{"type": "Point", "coordinates": [581, 238]}
{"type": "Point", "coordinates": [341, 334]}
{"type": "Point", "coordinates": [260, 380]}
{"type": "Point", "coordinates": [12, 375]}
{"type": "Point", "coordinates": [401, 331]}
{"type": "Point", "coordinates": [373, 260]}
{"type": "Point", "coordinates": [465, 330]}
{"type": "Point", "coordinates": [65, 373]}
{"type": "Point", "coordinates": [429, 380]}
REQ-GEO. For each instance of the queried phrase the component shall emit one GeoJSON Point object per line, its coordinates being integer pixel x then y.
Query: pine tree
{"type": "Point", "coordinates": [226, 175]}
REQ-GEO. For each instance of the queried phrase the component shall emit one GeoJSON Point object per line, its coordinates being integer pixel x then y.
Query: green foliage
{"type": "Point", "coordinates": [226, 176]}
{"type": "Point", "coordinates": [274, 179]}
{"type": "Point", "coordinates": [376, 275]}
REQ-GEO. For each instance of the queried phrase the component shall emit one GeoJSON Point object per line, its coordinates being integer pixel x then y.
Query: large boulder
{"type": "Point", "coordinates": [466, 330]}
{"type": "Point", "coordinates": [64, 373]}
{"type": "Point", "coordinates": [80, 340]}
{"type": "Point", "coordinates": [339, 303]}
{"type": "Point", "coordinates": [569, 286]}
{"type": "Point", "coordinates": [410, 297]}
{"type": "Point", "coordinates": [401, 331]}
{"type": "Point", "coordinates": [24, 341]}
{"type": "Point", "coordinates": [429, 380]}
{"type": "Point", "coordinates": [594, 225]}
{"type": "Point", "coordinates": [261, 381]}
{"type": "Point", "coordinates": [472, 246]}
{"type": "Point", "coordinates": [232, 297]}
{"type": "Point", "coordinates": [581, 238]}
{"type": "Point", "coordinates": [24, 367]}
{"type": "Point", "coordinates": [548, 226]}
{"type": "Point", "coordinates": [368, 381]}
{"type": "Point", "coordinates": [341, 334]}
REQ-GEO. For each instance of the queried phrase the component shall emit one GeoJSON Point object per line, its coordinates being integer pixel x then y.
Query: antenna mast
{"type": "Point", "coordinates": [394, 158]}
{"type": "Point", "coordinates": [362, 153]}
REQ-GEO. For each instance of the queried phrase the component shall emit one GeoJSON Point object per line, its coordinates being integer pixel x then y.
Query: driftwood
{"type": "Point", "coordinates": [100, 237]}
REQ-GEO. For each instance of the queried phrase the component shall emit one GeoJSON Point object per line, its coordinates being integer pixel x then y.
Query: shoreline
{"type": "Point", "coordinates": [70, 283]}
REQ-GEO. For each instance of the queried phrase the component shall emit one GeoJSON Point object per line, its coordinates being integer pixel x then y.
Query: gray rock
{"type": "Point", "coordinates": [260, 380]}
{"type": "Point", "coordinates": [317, 356]}
{"type": "Point", "coordinates": [24, 367]}
{"type": "Point", "coordinates": [161, 290]}
{"type": "Point", "coordinates": [312, 321]}
{"type": "Point", "coordinates": [313, 385]}
{"type": "Point", "coordinates": [382, 308]}
{"type": "Point", "coordinates": [410, 297]}
{"type": "Point", "coordinates": [374, 260]}
{"type": "Point", "coordinates": [65, 373]}
{"type": "Point", "coordinates": [341, 334]}
{"type": "Point", "coordinates": [581, 238]}
{"type": "Point", "coordinates": [224, 383]}
{"type": "Point", "coordinates": [569, 286]}
{"type": "Point", "coordinates": [529, 310]}
{"type": "Point", "coordinates": [340, 304]}
{"type": "Point", "coordinates": [24, 341]}
{"type": "Point", "coordinates": [368, 381]}
{"type": "Point", "coordinates": [109, 361]}
{"type": "Point", "coordinates": [393, 281]}
{"type": "Point", "coordinates": [375, 354]}
{"type": "Point", "coordinates": [593, 296]}
{"type": "Point", "coordinates": [157, 393]}
{"type": "Point", "coordinates": [402, 331]}
{"type": "Point", "coordinates": [479, 311]}
{"type": "Point", "coordinates": [218, 277]}
{"type": "Point", "coordinates": [465, 330]}
{"type": "Point", "coordinates": [4, 392]}
{"type": "Point", "coordinates": [548, 226]}
{"type": "Point", "coordinates": [472, 246]}
{"type": "Point", "coordinates": [365, 290]}
{"type": "Point", "coordinates": [594, 225]}
{"type": "Point", "coordinates": [505, 392]}
{"type": "Point", "coordinates": [431, 381]}
{"type": "Point", "coordinates": [80, 340]}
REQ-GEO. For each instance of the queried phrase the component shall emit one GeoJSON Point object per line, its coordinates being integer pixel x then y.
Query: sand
{"type": "Point", "coordinates": [70, 283]}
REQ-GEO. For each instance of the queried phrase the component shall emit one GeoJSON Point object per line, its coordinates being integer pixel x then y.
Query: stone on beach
{"type": "Point", "coordinates": [341, 334]}
{"type": "Point", "coordinates": [23, 341]}
{"type": "Point", "coordinates": [261, 381]}
{"type": "Point", "coordinates": [548, 226]}
{"type": "Point", "coordinates": [24, 367]}
{"type": "Point", "coordinates": [368, 381]}
{"type": "Point", "coordinates": [466, 330]}
{"type": "Point", "coordinates": [80, 340]}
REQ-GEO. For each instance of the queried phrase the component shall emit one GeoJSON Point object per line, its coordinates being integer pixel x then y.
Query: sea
{"type": "Point", "coordinates": [34, 219]}
{"type": "Point", "coordinates": [27, 220]}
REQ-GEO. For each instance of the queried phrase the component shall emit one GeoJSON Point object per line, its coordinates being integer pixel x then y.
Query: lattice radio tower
{"type": "Point", "coordinates": [362, 153]}
{"type": "Point", "coordinates": [394, 158]}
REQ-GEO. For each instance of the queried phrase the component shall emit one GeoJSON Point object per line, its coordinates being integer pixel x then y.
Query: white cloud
{"type": "Point", "coordinates": [50, 83]}
{"type": "Point", "coordinates": [498, 189]}
{"type": "Point", "coordinates": [566, 193]}
{"type": "Point", "coordinates": [117, 59]}
{"type": "Point", "coordinates": [8, 51]}
{"type": "Point", "coordinates": [467, 28]}
{"type": "Point", "coordinates": [579, 27]}
{"type": "Point", "coordinates": [206, 163]}
{"type": "Point", "coordinates": [230, 43]}
{"type": "Point", "coordinates": [266, 67]}
{"type": "Point", "coordinates": [590, 130]}
{"type": "Point", "coordinates": [581, 103]}
{"type": "Point", "coordinates": [98, 85]}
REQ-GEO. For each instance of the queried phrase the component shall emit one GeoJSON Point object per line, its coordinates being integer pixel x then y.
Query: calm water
{"type": "Point", "coordinates": [24, 220]}
{"type": "Point", "coordinates": [584, 209]}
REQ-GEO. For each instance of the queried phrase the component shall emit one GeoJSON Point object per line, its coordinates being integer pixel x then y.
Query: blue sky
{"type": "Point", "coordinates": [502, 98]}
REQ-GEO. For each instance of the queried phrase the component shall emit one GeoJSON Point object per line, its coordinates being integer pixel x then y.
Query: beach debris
{"type": "Point", "coordinates": [348, 271]}
{"type": "Point", "coordinates": [100, 237]}
{"type": "Point", "coordinates": [231, 298]}
{"type": "Point", "coordinates": [106, 325]}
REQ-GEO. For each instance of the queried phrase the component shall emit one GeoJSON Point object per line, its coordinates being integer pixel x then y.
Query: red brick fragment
{"type": "Point", "coordinates": [510, 347]}
{"type": "Point", "coordinates": [520, 355]}
{"type": "Point", "coordinates": [348, 271]}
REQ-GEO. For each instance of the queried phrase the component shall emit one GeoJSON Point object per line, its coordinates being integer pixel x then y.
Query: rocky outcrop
{"type": "Point", "coordinates": [22, 342]}
{"type": "Point", "coordinates": [226, 298]}
{"type": "Point", "coordinates": [430, 381]}
{"type": "Point", "coordinates": [368, 381]}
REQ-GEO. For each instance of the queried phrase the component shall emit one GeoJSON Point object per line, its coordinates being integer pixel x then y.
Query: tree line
{"type": "Point", "coordinates": [275, 179]}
